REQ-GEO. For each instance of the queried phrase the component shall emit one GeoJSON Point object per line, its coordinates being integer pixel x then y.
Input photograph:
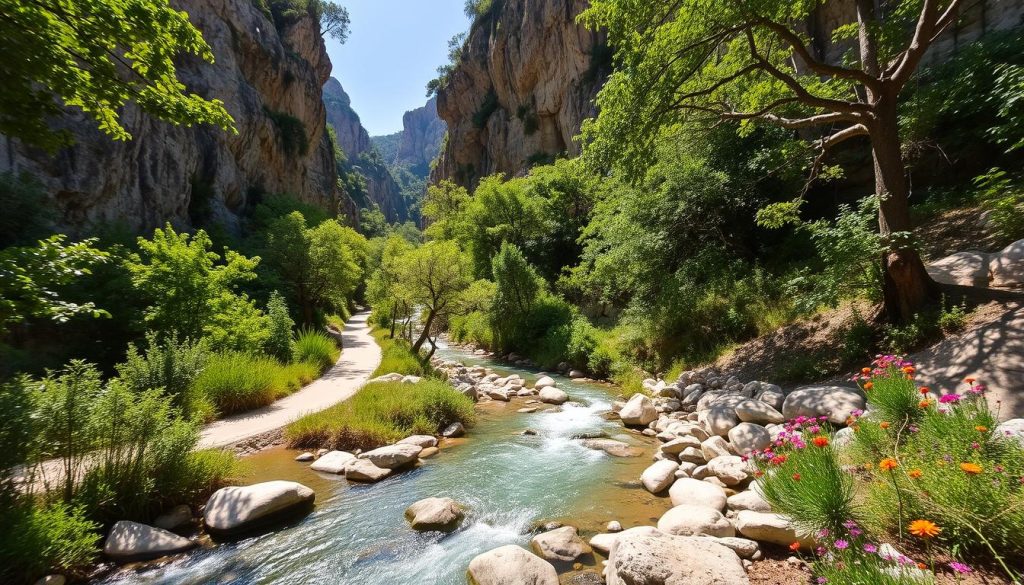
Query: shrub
{"type": "Point", "coordinates": [38, 539]}
{"type": "Point", "coordinates": [279, 340]}
{"type": "Point", "coordinates": [382, 413]}
{"type": "Point", "coordinates": [292, 132]}
{"type": "Point", "coordinates": [953, 319]}
{"type": "Point", "coordinates": [172, 366]}
{"type": "Point", "coordinates": [315, 348]}
{"type": "Point", "coordinates": [397, 356]}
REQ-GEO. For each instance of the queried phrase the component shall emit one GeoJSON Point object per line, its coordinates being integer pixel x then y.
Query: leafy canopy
{"type": "Point", "coordinates": [97, 55]}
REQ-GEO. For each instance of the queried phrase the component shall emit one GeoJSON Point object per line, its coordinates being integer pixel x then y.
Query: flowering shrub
{"type": "Point", "coordinates": [920, 468]}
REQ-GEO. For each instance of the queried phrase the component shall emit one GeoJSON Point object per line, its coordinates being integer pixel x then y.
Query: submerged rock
{"type": "Point", "coordinates": [435, 514]}
{"type": "Point", "coordinates": [131, 541]}
{"type": "Point", "coordinates": [238, 508]}
{"type": "Point", "coordinates": [511, 565]}
{"type": "Point", "coordinates": [611, 447]}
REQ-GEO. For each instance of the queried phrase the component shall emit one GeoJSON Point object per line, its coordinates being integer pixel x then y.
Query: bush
{"type": "Point", "coordinates": [279, 340]}
{"type": "Point", "coordinates": [171, 366]}
{"type": "Point", "coordinates": [382, 413]}
{"type": "Point", "coordinates": [397, 357]}
{"type": "Point", "coordinates": [314, 347]}
{"type": "Point", "coordinates": [41, 539]}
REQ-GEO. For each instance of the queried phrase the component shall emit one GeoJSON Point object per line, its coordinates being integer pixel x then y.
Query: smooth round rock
{"type": "Point", "coordinates": [435, 515]}
{"type": "Point", "coordinates": [131, 541]}
{"type": "Point", "coordinates": [658, 477]}
{"type": "Point", "coordinates": [689, 491]}
{"type": "Point", "coordinates": [544, 382]}
{"type": "Point", "coordinates": [730, 469]}
{"type": "Point", "coordinates": [239, 508]}
{"type": "Point", "coordinates": [511, 565]}
{"type": "Point", "coordinates": [835, 402]}
{"type": "Point", "coordinates": [673, 560]}
{"type": "Point", "coordinates": [560, 544]}
{"type": "Point", "coordinates": [756, 411]}
{"type": "Point", "coordinates": [746, 438]}
{"type": "Point", "coordinates": [639, 410]}
{"type": "Point", "coordinates": [333, 462]}
{"type": "Point", "coordinates": [687, 520]}
{"type": "Point", "coordinates": [422, 441]}
{"type": "Point", "coordinates": [393, 456]}
{"type": "Point", "coordinates": [552, 395]}
{"type": "Point", "coordinates": [769, 527]}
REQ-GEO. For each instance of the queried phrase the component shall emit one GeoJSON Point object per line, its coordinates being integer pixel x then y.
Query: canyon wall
{"type": "Point", "coordinates": [420, 141]}
{"type": "Point", "coordinates": [526, 81]}
{"type": "Point", "coordinates": [270, 82]}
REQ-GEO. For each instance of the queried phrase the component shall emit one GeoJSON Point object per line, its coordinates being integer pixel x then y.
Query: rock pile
{"type": "Point", "coordinates": [482, 384]}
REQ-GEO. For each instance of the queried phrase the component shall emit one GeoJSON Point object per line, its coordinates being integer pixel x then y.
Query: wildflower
{"type": "Point", "coordinates": [796, 477]}
{"type": "Point", "coordinates": [758, 473]}
{"type": "Point", "coordinates": [975, 445]}
{"type": "Point", "coordinates": [981, 429]}
{"type": "Point", "coordinates": [794, 546]}
{"type": "Point", "coordinates": [970, 468]}
{"type": "Point", "coordinates": [869, 385]}
{"type": "Point", "coordinates": [922, 566]}
{"type": "Point", "coordinates": [814, 429]}
{"type": "Point", "coordinates": [855, 532]}
{"type": "Point", "coordinates": [870, 548]}
{"type": "Point", "coordinates": [960, 567]}
{"type": "Point", "coordinates": [924, 403]}
{"type": "Point", "coordinates": [821, 580]}
{"type": "Point", "coordinates": [820, 551]}
{"type": "Point", "coordinates": [915, 473]}
{"type": "Point", "coordinates": [820, 441]}
{"type": "Point", "coordinates": [841, 544]}
{"type": "Point", "coordinates": [949, 398]}
{"type": "Point", "coordinates": [888, 464]}
{"type": "Point", "coordinates": [969, 381]}
{"type": "Point", "coordinates": [908, 370]}
{"type": "Point", "coordinates": [823, 533]}
{"type": "Point", "coordinates": [924, 529]}
{"type": "Point", "coordinates": [925, 389]}
{"type": "Point", "coordinates": [849, 524]}
{"type": "Point", "coordinates": [865, 371]}
{"type": "Point", "coordinates": [884, 424]}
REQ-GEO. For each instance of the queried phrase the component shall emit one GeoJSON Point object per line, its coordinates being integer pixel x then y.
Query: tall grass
{"type": "Point", "coordinates": [382, 413]}
{"type": "Point", "coordinates": [316, 348]}
{"type": "Point", "coordinates": [236, 382]}
{"type": "Point", "coordinates": [397, 356]}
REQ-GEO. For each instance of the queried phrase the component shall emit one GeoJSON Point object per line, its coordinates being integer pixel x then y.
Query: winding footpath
{"type": "Point", "coordinates": [360, 356]}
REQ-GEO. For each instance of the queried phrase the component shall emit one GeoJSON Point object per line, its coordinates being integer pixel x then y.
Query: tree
{"type": "Point", "coordinates": [32, 278]}
{"type": "Point", "coordinates": [502, 211]}
{"type": "Point", "coordinates": [383, 290]}
{"type": "Point", "coordinates": [334, 20]}
{"type": "Point", "coordinates": [97, 55]}
{"type": "Point", "coordinates": [433, 276]}
{"type": "Point", "coordinates": [316, 265]}
{"type": "Point", "coordinates": [192, 292]}
{"type": "Point", "coordinates": [698, 61]}
{"type": "Point", "coordinates": [444, 210]}
{"type": "Point", "coordinates": [279, 343]}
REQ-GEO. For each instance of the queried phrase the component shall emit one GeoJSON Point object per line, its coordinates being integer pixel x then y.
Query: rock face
{"type": "Point", "coordinates": [418, 143]}
{"type": "Point", "coordinates": [131, 541]}
{"type": "Point", "coordinates": [353, 139]}
{"type": "Point", "coordinates": [525, 83]}
{"type": "Point", "coordinates": [435, 514]}
{"type": "Point", "coordinates": [239, 508]}
{"type": "Point", "coordinates": [270, 82]}
{"type": "Point", "coordinates": [511, 565]}
{"type": "Point", "coordinates": [672, 560]}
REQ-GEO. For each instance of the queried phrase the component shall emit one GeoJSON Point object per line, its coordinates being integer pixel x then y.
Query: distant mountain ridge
{"type": "Point", "coordinates": [410, 152]}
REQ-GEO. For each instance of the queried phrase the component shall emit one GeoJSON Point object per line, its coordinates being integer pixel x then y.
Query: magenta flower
{"type": "Point", "coordinates": [870, 548]}
{"type": "Point", "coordinates": [960, 567]}
{"type": "Point", "coordinates": [949, 398]}
{"type": "Point", "coordinates": [855, 532]}
{"type": "Point", "coordinates": [841, 544]}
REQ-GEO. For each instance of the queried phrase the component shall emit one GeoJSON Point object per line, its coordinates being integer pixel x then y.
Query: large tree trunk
{"type": "Point", "coordinates": [906, 287]}
{"type": "Point", "coordinates": [426, 332]}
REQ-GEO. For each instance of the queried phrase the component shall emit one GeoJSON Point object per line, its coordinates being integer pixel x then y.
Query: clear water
{"type": "Point", "coordinates": [509, 482]}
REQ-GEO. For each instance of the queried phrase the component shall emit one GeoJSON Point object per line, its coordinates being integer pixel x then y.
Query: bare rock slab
{"type": "Point", "coordinates": [131, 541]}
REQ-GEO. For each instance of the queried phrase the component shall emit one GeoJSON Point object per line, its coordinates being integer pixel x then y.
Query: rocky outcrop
{"type": "Point", "coordinates": [420, 141]}
{"type": "Point", "coordinates": [525, 83]}
{"type": "Point", "coordinates": [362, 158]}
{"type": "Point", "coordinates": [270, 82]}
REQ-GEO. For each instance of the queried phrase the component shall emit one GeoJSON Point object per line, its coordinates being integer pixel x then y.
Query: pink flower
{"type": "Point", "coordinates": [949, 398]}
{"type": "Point", "coordinates": [960, 567]}
{"type": "Point", "coordinates": [841, 544]}
{"type": "Point", "coordinates": [870, 548]}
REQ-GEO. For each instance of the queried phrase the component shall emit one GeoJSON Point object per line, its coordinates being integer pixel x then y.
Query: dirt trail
{"type": "Point", "coordinates": [360, 357]}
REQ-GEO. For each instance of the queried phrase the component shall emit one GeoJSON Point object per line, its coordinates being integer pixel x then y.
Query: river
{"type": "Point", "coordinates": [509, 482]}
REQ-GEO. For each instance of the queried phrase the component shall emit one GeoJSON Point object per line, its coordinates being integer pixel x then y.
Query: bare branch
{"type": "Point", "coordinates": [827, 143]}
{"type": "Point", "coordinates": [819, 67]}
{"type": "Point", "coordinates": [929, 26]}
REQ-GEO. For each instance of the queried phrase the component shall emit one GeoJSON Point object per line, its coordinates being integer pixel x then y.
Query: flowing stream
{"type": "Point", "coordinates": [510, 483]}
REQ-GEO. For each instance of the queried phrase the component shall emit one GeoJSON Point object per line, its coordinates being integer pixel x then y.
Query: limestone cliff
{"type": "Point", "coordinates": [420, 139]}
{"type": "Point", "coordinates": [362, 157]}
{"type": "Point", "coordinates": [526, 82]}
{"type": "Point", "coordinates": [270, 81]}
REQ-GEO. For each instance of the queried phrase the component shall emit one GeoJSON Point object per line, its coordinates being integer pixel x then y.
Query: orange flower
{"type": "Point", "coordinates": [908, 370]}
{"type": "Point", "coordinates": [915, 473]}
{"type": "Point", "coordinates": [884, 424]}
{"type": "Point", "coordinates": [794, 547]}
{"type": "Point", "coordinates": [925, 389]}
{"type": "Point", "coordinates": [981, 429]}
{"type": "Point", "coordinates": [924, 403]}
{"type": "Point", "coordinates": [922, 566]}
{"type": "Point", "coordinates": [869, 385]}
{"type": "Point", "coordinates": [888, 464]}
{"type": "Point", "coordinates": [971, 468]}
{"type": "Point", "coordinates": [820, 441]}
{"type": "Point", "coordinates": [924, 529]}
{"type": "Point", "coordinates": [865, 370]}
{"type": "Point", "coordinates": [969, 380]}
{"type": "Point", "coordinates": [796, 477]}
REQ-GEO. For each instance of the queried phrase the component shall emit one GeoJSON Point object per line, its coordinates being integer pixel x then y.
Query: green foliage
{"type": "Point", "coordinates": [291, 131]}
{"type": "Point", "coordinates": [275, 206]}
{"type": "Point", "coordinates": [96, 56]}
{"type": "Point", "coordinates": [41, 539]}
{"type": "Point", "coordinates": [487, 107]}
{"type": "Point", "coordinates": [382, 413]}
{"type": "Point", "coordinates": [170, 365]}
{"type": "Point", "coordinates": [1003, 196]}
{"type": "Point", "coordinates": [372, 222]}
{"type": "Point", "coordinates": [26, 217]}
{"type": "Point", "coordinates": [433, 277]}
{"type": "Point", "coordinates": [476, 9]}
{"type": "Point", "coordinates": [314, 347]}
{"type": "Point", "coordinates": [279, 341]}
{"type": "Point", "coordinates": [236, 382]}
{"type": "Point", "coordinates": [444, 72]}
{"type": "Point", "coordinates": [397, 357]}
{"type": "Point", "coordinates": [444, 210]}
{"type": "Point", "coordinates": [32, 280]}
{"type": "Point", "coordinates": [190, 291]}
{"type": "Point", "coordinates": [848, 249]}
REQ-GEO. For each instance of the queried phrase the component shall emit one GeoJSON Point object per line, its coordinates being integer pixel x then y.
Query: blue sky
{"type": "Point", "coordinates": [393, 50]}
